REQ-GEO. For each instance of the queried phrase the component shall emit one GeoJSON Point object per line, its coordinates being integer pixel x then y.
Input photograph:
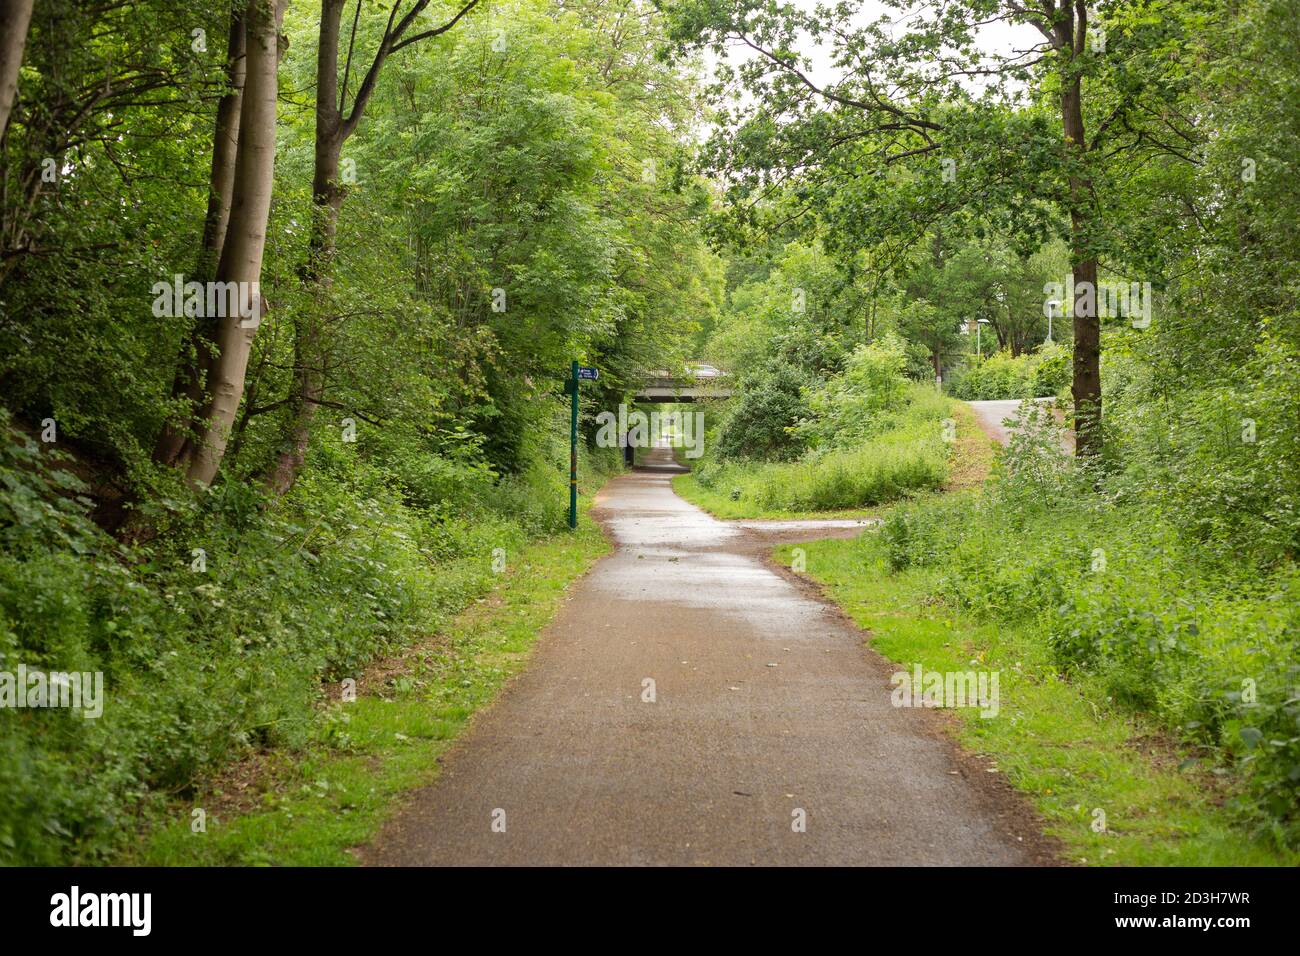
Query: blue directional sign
{"type": "Point", "coordinates": [586, 373]}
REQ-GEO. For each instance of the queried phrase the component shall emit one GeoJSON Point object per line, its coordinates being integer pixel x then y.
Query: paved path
{"type": "Point", "coordinates": [993, 418]}
{"type": "Point", "coordinates": [766, 703]}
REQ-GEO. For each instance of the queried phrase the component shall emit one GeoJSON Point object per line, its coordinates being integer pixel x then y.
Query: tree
{"type": "Point", "coordinates": [194, 365]}
{"type": "Point", "coordinates": [899, 142]}
{"type": "Point", "coordinates": [15, 18]}
{"type": "Point", "coordinates": [245, 240]}
{"type": "Point", "coordinates": [984, 278]}
{"type": "Point", "coordinates": [335, 123]}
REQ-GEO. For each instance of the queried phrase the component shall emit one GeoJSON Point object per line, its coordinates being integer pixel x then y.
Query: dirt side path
{"type": "Point", "coordinates": [765, 704]}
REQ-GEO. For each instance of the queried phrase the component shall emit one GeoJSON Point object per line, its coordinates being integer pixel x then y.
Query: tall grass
{"type": "Point", "coordinates": [1207, 643]}
{"type": "Point", "coordinates": [906, 454]}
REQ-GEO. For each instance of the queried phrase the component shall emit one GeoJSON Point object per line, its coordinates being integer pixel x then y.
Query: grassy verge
{"type": "Point", "coordinates": [309, 807]}
{"type": "Point", "coordinates": [722, 506]}
{"type": "Point", "coordinates": [1066, 744]}
{"type": "Point", "coordinates": [750, 490]}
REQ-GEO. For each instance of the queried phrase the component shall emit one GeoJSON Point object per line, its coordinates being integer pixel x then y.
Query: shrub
{"type": "Point", "coordinates": [854, 405]}
{"type": "Point", "coordinates": [759, 419]}
{"type": "Point", "coordinates": [1053, 369]}
{"type": "Point", "coordinates": [1204, 642]}
{"type": "Point", "coordinates": [204, 662]}
{"type": "Point", "coordinates": [1030, 375]}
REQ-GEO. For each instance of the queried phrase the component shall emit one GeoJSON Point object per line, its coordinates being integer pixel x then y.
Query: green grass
{"type": "Point", "coordinates": [1064, 744]}
{"type": "Point", "coordinates": [312, 806]}
{"type": "Point", "coordinates": [722, 506]}
{"type": "Point", "coordinates": [901, 463]}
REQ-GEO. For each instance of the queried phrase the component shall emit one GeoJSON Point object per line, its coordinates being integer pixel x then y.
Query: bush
{"type": "Point", "coordinates": [206, 659]}
{"type": "Point", "coordinates": [855, 404]}
{"type": "Point", "coordinates": [1053, 369]}
{"type": "Point", "coordinates": [759, 420]}
{"type": "Point", "coordinates": [1206, 643]}
{"type": "Point", "coordinates": [1030, 375]}
{"type": "Point", "coordinates": [1220, 459]}
{"type": "Point", "coordinates": [907, 456]}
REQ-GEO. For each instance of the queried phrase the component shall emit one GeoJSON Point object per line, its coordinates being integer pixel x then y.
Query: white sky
{"type": "Point", "coordinates": [997, 38]}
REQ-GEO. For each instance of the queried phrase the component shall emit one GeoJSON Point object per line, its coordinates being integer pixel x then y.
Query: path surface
{"type": "Point", "coordinates": [993, 418]}
{"type": "Point", "coordinates": [766, 702]}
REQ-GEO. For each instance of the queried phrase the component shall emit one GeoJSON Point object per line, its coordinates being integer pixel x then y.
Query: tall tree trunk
{"type": "Point", "coordinates": [225, 148]}
{"type": "Point", "coordinates": [1086, 386]}
{"type": "Point", "coordinates": [195, 361]}
{"type": "Point", "coordinates": [333, 127]}
{"type": "Point", "coordinates": [307, 391]}
{"type": "Point", "coordinates": [15, 19]}
{"type": "Point", "coordinates": [245, 243]}
{"type": "Point", "coordinates": [1070, 37]}
{"type": "Point", "coordinates": [308, 387]}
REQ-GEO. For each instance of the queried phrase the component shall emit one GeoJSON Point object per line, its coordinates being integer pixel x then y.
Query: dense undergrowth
{"type": "Point", "coordinates": [1140, 584]}
{"type": "Point", "coordinates": [869, 435]}
{"type": "Point", "coordinates": [214, 636]}
{"type": "Point", "coordinates": [1040, 374]}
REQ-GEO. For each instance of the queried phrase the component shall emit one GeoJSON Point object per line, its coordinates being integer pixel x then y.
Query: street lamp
{"type": "Point", "coordinates": [1052, 306]}
{"type": "Point", "coordinates": [979, 349]}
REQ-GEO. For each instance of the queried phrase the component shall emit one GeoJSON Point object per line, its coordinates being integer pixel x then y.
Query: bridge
{"type": "Point", "coordinates": [701, 382]}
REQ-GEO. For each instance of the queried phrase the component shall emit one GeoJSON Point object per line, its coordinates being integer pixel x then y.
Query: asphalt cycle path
{"type": "Point", "coordinates": [693, 704]}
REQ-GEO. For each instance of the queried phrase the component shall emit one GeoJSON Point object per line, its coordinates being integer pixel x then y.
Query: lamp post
{"type": "Point", "coordinates": [979, 348]}
{"type": "Point", "coordinates": [1051, 306]}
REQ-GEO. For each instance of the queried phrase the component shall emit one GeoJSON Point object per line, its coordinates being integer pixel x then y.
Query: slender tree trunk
{"type": "Point", "coordinates": [308, 386]}
{"type": "Point", "coordinates": [333, 127]}
{"type": "Point", "coordinates": [1002, 336]}
{"type": "Point", "coordinates": [307, 391]}
{"type": "Point", "coordinates": [245, 243]}
{"type": "Point", "coordinates": [225, 148]}
{"type": "Point", "coordinates": [15, 19]}
{"type": "Point", "coordinates": [195, 361]}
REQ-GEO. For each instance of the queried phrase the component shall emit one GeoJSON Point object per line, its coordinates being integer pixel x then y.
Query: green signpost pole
{"type": "Point", "coordinates": [573, 446]}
